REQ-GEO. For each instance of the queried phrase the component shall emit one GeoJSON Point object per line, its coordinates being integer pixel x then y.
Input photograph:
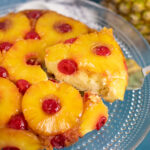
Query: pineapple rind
{"type": "Point", "coordinates": [135, 11]}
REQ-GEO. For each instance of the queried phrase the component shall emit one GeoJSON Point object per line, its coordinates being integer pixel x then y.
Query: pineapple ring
{"type": "Point", "coordinates": [58, 28]}
{"type": "Point", "coordinates": [94, 110]}
{"type": "Point", "coordinates": [52, 124]}
{"type": "Point", "coordinates": [14, 27]}
{"type": "Point", "coordinates": [16, 59]}
{"type": "Point", "coordinates": [10, 99]}
{"type": "Point", "coordinates": [90, 63]}
{"type": "Point", "coordinates": [20, 139]}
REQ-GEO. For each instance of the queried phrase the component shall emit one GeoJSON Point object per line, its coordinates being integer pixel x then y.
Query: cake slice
{"type": "Point", "coordinates": [92, 62]}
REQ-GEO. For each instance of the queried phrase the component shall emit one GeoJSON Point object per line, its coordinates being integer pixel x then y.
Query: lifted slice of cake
{"type": "Point", "coordinates": [92, 62]}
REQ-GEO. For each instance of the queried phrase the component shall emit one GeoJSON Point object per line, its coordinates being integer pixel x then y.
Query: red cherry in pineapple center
{"type": "Point", "coordinates": [67, 66]}
{"type": "Point", "coordinates": [70, 41]}
{"type": "Point", "coordinates": [18, 122]}
{"type": "Point", "coordinates": [33, 61]}
{"type": "Point", "coordinates": [2, 25]}
{"type": "Point", "coordinates": [32, 35]}
{"type": "Point", "coordinates": [51, 106]}
{"type": "Point", "coordinates": [34, 14]}
{"type": "Point", "coordinates": [102, 51]}
{"type": "Point", "coordinates": [3, 72]}
{"type": "Point", "coordinates": [63, 27]}
{"type": "Point", "coordinates": [10, 148]}
{"type": "Point", "coordinates": [58, 141]}
{"type": "Point", "coordinates": [22, 85]}
{"type": "Point", "coordinates": [101, 122]}
{"type": "Point", "coordinates": [5, 46]}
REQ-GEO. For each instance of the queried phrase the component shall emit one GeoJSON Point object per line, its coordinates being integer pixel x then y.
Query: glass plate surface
{"type": "Point", "coordinates": [129, 121]}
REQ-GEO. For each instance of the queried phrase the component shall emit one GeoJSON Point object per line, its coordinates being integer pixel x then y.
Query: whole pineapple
{"type": "Point", "coordinates": [135, 11]}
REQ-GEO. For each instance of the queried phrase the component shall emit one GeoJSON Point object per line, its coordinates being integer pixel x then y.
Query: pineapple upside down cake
{"type": "Point", "coordinates": [53, 72]}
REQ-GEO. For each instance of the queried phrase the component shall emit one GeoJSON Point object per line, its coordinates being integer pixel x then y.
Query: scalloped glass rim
{"type": "Point", "coordinates": [123, 115]}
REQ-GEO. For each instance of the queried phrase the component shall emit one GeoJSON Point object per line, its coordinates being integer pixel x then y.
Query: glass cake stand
{"type": "Point", "coordinates": [129, 121]}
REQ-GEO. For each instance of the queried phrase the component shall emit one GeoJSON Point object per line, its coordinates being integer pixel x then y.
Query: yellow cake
{"type": "Point", "coordinates": [93, 62]}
